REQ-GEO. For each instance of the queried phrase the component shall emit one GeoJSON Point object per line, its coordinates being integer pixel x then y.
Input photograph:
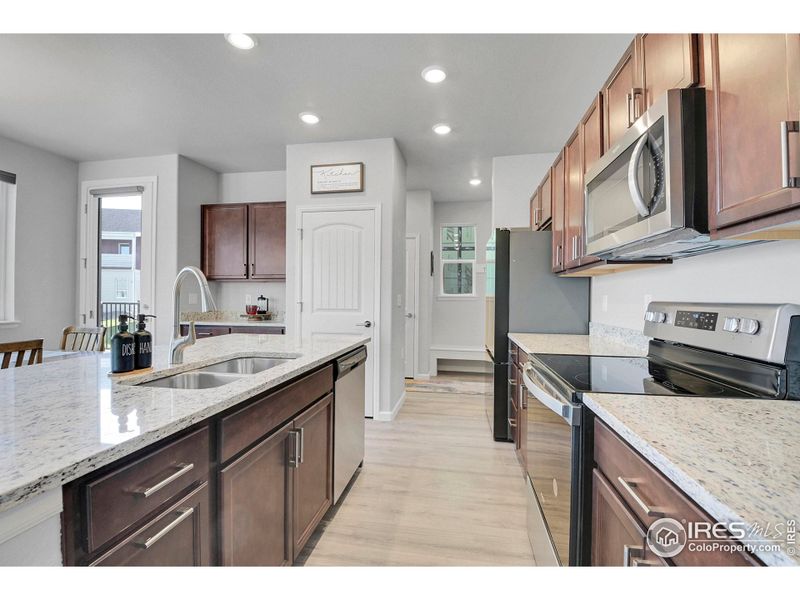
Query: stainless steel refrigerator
{"type": "Point", "coordinates": [524, 295]}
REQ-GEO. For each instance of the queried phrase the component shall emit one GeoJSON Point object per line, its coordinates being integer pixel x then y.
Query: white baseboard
{"type": "Point", "coordinates": [389, 415]}
{"type": "Point", "coordinates": [422, 376]}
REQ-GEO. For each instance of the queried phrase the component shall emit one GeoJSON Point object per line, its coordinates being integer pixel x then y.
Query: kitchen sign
{"type": "Point", "coordinates": [337, 178]}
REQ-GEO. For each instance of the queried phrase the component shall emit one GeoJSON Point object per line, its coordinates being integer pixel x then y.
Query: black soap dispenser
{"type": "Point", "coordinates": [123, 348]}
{"type": "Point", "coordinates": [144, 343]}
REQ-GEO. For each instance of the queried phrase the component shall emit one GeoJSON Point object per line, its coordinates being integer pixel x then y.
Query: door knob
{"type": "Point", "coordinates": [364, 324]}
{"type": "Point", "coordinates": [409, 315]}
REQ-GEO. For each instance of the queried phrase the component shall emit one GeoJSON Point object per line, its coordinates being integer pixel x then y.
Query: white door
{"type": "Point", "coordinates": [411, 306]}
{"type": "Point", "coordinates": [339, 280]}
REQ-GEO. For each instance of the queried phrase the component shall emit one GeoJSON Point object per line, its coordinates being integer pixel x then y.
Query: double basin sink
{"type": "Point", "coordinates": [216, 375]}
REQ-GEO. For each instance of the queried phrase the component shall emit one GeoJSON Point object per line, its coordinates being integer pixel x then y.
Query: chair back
{"type": "Point", "coordinates": [32, 347]}
{"type": "Point", "coordinates": [83, 339]}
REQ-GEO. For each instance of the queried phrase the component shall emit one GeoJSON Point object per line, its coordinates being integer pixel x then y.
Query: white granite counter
{"type": "Point", "coordinates": [62, 419]}
{"type": "Point", "coordinates": [552, 343]}
{"type": "Point", "coordinates": [738, 459]}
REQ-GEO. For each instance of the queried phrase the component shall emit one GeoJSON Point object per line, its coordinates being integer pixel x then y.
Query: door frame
{"type": "Point", "coordinates": [415, 344]}
{"type": "Point", "coordinates": [298, 292]}
{"type": "Point", "coordinates": [87, 289]}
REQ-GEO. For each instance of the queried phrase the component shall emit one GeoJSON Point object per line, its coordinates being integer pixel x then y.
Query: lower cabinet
{"type": "Point", "coordinates": [204, 331]}
{"type": "Point", "coordinates": [180, 536]}
{"type": "Point", "coordinates": [256, 506]}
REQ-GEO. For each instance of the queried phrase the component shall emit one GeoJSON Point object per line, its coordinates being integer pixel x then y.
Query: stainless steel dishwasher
{"type": "Point", "coordinates": [348, 419]}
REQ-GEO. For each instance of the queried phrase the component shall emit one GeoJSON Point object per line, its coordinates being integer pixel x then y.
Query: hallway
{"type": "Point", "coordinates": [435, 490]}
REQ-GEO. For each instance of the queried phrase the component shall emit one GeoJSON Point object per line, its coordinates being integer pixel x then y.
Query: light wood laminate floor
{"type": "Point", "coordinates": [435, 489]}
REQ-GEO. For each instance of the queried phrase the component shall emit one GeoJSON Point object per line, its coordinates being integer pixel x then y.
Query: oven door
{"type": "Point", "coordinates": [637, 190]}
{"type": "Point", "coordinates": [553, 423]}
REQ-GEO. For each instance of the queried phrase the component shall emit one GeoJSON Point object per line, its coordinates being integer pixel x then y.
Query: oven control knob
{"type": "Point", "coordinates": [731, 324]}
{"type": "Point", "coordinates": [748, 326]}
{"type": "Point", "coordinates": [654, 316]}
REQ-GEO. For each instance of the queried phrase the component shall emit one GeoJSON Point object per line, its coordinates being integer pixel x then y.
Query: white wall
{"type": "Point", "coordinates": [384, 187]}
{"type": "Point", "coordinates": [514, 179]}
{"type": "Point", "coordinates": [165, 168]}
{"type": "Point", "coordinates": [761, 273]}
{"type": "Point", "coordinates": [458, 323]}
{"type": "Point", "coordinates": [419, 221]}
{"type": "Point", "coordinates": [45, 288]}
{"type": "Point", "coordinates": [257, 186]}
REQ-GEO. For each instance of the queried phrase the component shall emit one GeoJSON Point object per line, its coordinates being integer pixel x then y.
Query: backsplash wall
{"type": "Point", "coordinates": [759, 273]}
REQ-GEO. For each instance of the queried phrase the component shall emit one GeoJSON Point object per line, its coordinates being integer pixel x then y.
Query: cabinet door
{"type": "Point", "coordinates": [522, 420]}
{"type": "Point", "coordinates": [256, 505]}
{"type": "Point", "coordinates": [557, 174]}
{"type": "Point", "coordinates": [591, 150]}
{"type": "Point", "coordinates": [313, 477]}
{"type": "Point", "coordinates": [617, 538]}
{"type": "Point", "coordinates": [573, 202]}
{"type": "Point", "coordinates": [621, 98]}
{"type": "Point", "coordinates": [545, 201]}
{"type": "Point", "coordinates": [754, 88]}
{"type": "Point", "coordinates": [536, 209]}
{"type": "Point", "coordinates": [224, 241]}
{"type": "Point", "coordinates": [668, 61]}
{"type": "Point", "coordinates": [268, 241]}
{"type": "Point", "coordinates": [179, 536]}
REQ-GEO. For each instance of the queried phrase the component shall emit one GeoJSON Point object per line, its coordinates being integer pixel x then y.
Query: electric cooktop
{"type": "Point", "coordinates": [626, 375]}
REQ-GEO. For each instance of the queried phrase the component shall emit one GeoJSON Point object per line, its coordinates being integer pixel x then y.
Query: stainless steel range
{"type": "Point", "coordinates": [748, 351]}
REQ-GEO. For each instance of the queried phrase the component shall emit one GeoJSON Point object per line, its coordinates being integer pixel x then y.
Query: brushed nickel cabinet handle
{"type": "Point", "coordinates": [629, 552]}
{"type": "Point", "coordinates": [629, 102]}
{"type": "Point", "coordinates": [245, 269]}
{"type": "Point", "coordinates": [301, 445]}
{"type": "Point", "coordinates": [628, 487]}
{"type": "Point", "coordinates": [294, 454]}
{"type": "Point", "coordinates": [787, 180]}
{"type": "Point", "coordinates": [146, 492]}
{"type": "Point", "coordinates": [635, 93]}
{"type": "Point", "coordinates": [536, 211]}
{"type": "Point", "coordinates": [183, 514]}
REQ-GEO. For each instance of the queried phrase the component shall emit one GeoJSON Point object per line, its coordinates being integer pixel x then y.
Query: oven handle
{"type": "Point", "coordinates": [633, 182]}
{"type": "Point", "coordinates": [563, 409]}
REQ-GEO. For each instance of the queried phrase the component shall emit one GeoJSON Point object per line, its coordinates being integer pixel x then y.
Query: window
{"type": "Point", "coordinates": [8, 202]}
{"type": "Point", "coordinates": [121, 286]}
{"type": "Point", "coordinates": [124, 248]}
{"type": "Point", "coordinates": [458, 260]}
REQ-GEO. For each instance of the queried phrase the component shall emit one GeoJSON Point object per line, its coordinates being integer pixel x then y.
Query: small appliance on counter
{"type": "Point", "coordinates": [143, 343]}
{"type": "Point", "coordinates": [263, 305]}
{"type": "Point", "coordinates": [737, 351]}
{"type": "Point", "coordinates": [123, 347]}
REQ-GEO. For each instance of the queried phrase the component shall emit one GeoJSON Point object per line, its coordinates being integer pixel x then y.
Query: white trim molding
{"type": "Point", "coordinates": [8, 226]}
{"type": "Point", "coordinates": [455, 353]}
{"type": "Point", "coordinates": [389, 415]}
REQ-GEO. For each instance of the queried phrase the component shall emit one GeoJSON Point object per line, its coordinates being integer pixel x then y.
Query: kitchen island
{"type": "Point", "coordinates": [64, 420]}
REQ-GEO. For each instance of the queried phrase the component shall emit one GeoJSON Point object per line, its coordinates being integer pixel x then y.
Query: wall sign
{"type": "Point", "coordinates": [337, 178]}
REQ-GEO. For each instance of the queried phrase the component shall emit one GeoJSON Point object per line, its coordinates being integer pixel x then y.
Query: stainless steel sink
{"type": "Point", "coordinates": [247, 365]}
{"type": "Point", "coordinates": [193, 380]}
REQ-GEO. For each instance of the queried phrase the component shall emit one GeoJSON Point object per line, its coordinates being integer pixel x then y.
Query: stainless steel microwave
{"type": "Point", "coordinates": [646, 197]}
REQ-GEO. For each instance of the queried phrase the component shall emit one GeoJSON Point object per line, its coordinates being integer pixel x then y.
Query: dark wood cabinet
{"type": "Point", "coordinates": [557, 226]}
{"type": "Point", "coordinates": [666, 61]}
{"type": "Point", "coordinates": [224, 241]}
{"type": "Point", "coordinates": [256, 504]}
{"type": "Point", "coordinates": [267, 239]}
{"type": "Point", "coordinates": [622, 98]}
{"type": "Point", "coordinates": [573, 200]}
{"type": "Point", "coordinates": [204, 331]}
{"type": "Point", "coordinates": [180, 536]}
{"type": "Point", "coordinates": [244, 241]}
{"type": "Point", "coordinates": [753, 84]}
{"type": "Point", "coordinates": [313, 477]}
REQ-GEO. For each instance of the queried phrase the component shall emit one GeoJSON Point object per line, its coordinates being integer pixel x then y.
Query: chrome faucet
{"type": "Point", "coordinates": [180, 342]}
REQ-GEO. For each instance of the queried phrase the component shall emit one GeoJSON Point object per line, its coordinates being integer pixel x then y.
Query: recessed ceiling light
{"type": "Point", "coordinates": [241, 41]}
{"type": "Point", "coordinates": [442, 128]}
{"type": "Point", "coordinates": [309, 118]}
{"type": "Point", "coordinates": [475, 181]}
{"type": "Point", "coordinates": [434, 74]}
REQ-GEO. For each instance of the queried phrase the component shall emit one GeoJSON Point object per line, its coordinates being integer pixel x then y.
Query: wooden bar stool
{"type": "Point", "coordinates": [83, 339]}
{"type": "Point", "coordinates": [32, 346]}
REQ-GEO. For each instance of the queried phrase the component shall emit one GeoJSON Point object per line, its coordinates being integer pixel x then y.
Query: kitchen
{"type": "Point", "coordinates": [591, 325]}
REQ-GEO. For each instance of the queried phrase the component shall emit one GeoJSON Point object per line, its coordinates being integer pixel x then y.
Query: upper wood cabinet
{"type": "Point", "coordinates": [619, 105]}
{"type": "Point", "coordinates": [573, 200]}
{"type": "Point", "coordinates": [224, 241]}
{"type": "Point", "coordinates": [666, 61]}
{"type": "Point", "coordinates": [535, 210]}
{"type": "Point", "coordinates": [244, 241]}
{"type": "Point", "coordinates": [556, 179]}
{"type": "Point", "coordinates": [753, 111]}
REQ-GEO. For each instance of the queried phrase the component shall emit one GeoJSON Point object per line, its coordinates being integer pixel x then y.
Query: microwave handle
{"type": "Point", "coordinates": [565, 410]}
{"type": "Point", "coordinates": [633, 181]}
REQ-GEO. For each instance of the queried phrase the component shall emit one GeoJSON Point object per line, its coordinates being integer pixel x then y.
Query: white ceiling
{"type": "Point", "coordinates": [94, 97]}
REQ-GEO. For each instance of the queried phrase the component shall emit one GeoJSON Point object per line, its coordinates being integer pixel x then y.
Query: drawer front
{"type": "Point", "coordinates": [204, 331]}
{"type": "Point", "coordinates": [512, 353]}
{"type": "Point", "coordinates": [180, 536]}
{"type": "Point", "coordinates": [259, 330]}
{"type": "Point", "coordinates": [122, 497]}
{"type": "Point", "coordinates": [246, 426]}
{"type": "Point", "coordinates": [650, 495]}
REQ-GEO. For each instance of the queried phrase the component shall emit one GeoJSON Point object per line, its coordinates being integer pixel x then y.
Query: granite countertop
{"type": "Point", "coordinates": [236, 323]}
{"type": "Point", "coordinates": [738, 459]}
{"type": "Point", "coordinates": [552, 343]}
{"type": "Point", "coordinates": [63, 419]}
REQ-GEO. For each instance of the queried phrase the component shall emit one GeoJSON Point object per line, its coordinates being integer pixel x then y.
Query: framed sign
{"type": "Point", "coordinates": [337, 178]}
